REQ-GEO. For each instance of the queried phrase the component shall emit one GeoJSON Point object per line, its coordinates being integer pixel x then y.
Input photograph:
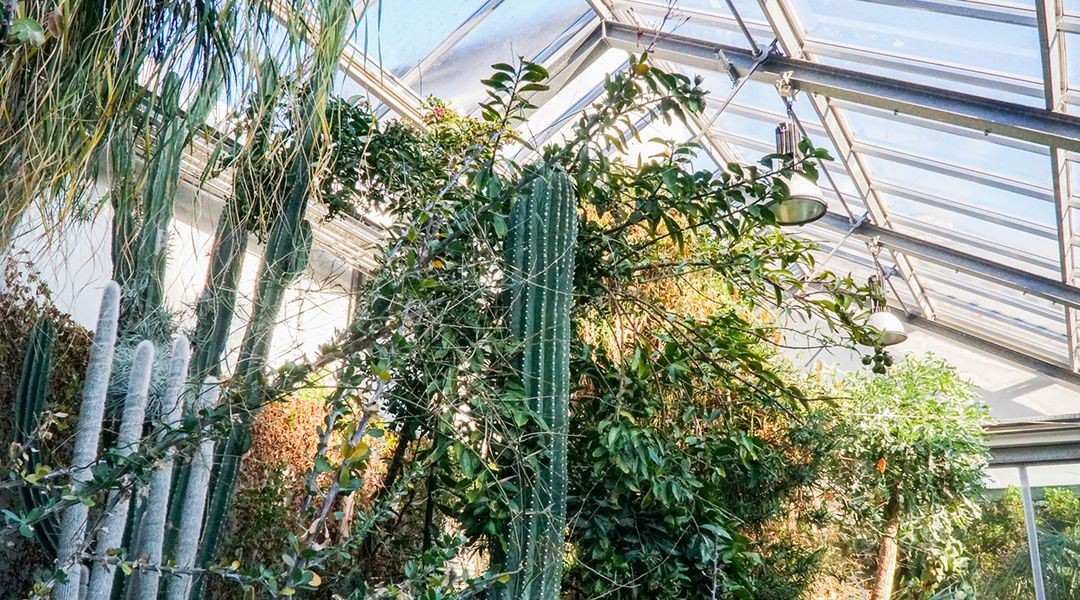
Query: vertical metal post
{"type": "Point", "coordinates": [1032, 536]}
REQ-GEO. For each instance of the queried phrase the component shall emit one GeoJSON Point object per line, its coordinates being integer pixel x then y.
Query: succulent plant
{"type": "Point", "coordinates": [87, 435]}
{"type": "Point", "coordinates": [540, 256]}
{"type": "Point", "coordinates": [114, 521]}
{"type": "Point", "coordinates": [29, 406]}
{"type": "Point", "coordinates": [144, 585]}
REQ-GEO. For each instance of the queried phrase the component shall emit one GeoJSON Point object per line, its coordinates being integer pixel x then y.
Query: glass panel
{"type": "Point", "coordinates": [1029, 210]}
{"type": "Point", "coordinates": [399, 34]}
{"type": "Point", "coordinates": [997, 541]}
{"type": "Point", "coordinates": [1072, 49]}
{"type": "Point", "coordinates": [516, 28]}
{"type": "Point", "coordinates": [713, 23]}
{"type": "Point", "coordinates": [563, 108]}
{"type": "Point", "coordinates": [1030, 252]}
{"type": "Point", "coordinates": [950, 148]}
{"type": "Point", "coordinates": [749, 10]}
{"type": "Point", "coordinates": [1056, 492]}
{"type": "Point", "coordinates": [996, 312]}
{"type": "Point", "coordinates": [984, 45]}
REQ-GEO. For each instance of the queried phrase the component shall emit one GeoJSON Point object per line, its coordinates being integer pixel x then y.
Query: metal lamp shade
{"type": "Point", "coordinates": [890, 330]}
{"type": "Point", "coordinates": [804, 203]}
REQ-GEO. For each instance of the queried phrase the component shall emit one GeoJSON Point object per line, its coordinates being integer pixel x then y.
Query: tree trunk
{"type": "Point", "coordinates": [889, 552]}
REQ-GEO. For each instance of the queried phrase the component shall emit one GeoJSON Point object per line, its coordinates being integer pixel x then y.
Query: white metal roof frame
{"type": "Point", "coordinates": [840, 77]}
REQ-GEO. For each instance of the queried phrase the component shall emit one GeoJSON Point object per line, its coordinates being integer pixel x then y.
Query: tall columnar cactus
{"type": "Point", "coordinates": [29, 405]}
{"type": "Point", "coordinates": [285, 256]}
{"type": "Point", "coordinates": [119, 501]}
{"type": "Point", "coordinates": [87, 435]}
{"type": "Point", "coordinates": [540, 273]}
{"type": "Point", "coordinates": [151, 244]}
{"type": "Point", "coordinates": [194, 502]}
{"type": "Point", "coordinates": [158, 200]}
{"type": "Point", "coordinates": [244, 212]}
{"type": "Point", "coordinates": [143, 585]}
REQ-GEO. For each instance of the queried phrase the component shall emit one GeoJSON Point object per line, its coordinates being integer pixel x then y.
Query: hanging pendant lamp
{"type": "Point", "coordinates": [804, 202]}
{"type": "Point", "coordinates": [889, 330]}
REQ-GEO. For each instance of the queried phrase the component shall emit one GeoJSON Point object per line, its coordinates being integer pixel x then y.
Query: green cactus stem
{"type": "Point", "coordinates": [144, 585]}
{"type": "Point", "coordinates": [118, 503]}
{"type": "Point", "coordinates": [87, 435]}
{"type": "Point", "coordinates": [194, 502]}
{"type": "Point", "coordinates": [243, 213]}
{"type": "Point", "coordinates": [540, 272]}
{"type": "Point", "coordinates": [286, 254]}
{"type": "Point", "coordinates": [150, 254]}
{"type": "Point", "coordinates": [29, 405]}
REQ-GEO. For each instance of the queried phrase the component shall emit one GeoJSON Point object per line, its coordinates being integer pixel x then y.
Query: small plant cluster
{"type": "Point", "coordinates": [907, 467]}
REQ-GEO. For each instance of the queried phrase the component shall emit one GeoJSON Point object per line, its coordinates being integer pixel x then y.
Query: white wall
{"type": "Point", "coordinates": [75, 264]}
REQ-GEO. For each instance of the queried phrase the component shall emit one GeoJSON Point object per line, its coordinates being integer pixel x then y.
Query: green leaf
{"type": "Point", "coordinates": [27, 31]}
{"type": "Point", "coordinates": [500, 225]}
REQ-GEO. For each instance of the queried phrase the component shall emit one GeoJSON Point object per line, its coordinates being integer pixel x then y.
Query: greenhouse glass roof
{"type": "Point", "coordinates": [954, 125]}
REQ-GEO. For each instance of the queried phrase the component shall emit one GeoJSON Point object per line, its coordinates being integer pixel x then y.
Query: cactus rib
{"type": "Point", "coordinates": [29, 405]}
{"type": "Point", "coordinates": [540, 273]}
{"type": "Point", "coordinates": [194, 505]}
{"type": "Point", "coordinates": [144, 584]}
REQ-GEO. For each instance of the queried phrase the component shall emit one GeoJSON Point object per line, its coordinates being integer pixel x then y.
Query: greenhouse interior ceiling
{"type": "Point", "coordinates": [953, 127]}
{"type": "Point", "coordinates": [540, 299]}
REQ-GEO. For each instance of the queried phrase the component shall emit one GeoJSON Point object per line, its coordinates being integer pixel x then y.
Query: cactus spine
{"type": "Point", "coordinates": [194, 504]}
{"type": "Point", "coordinates": [144, 584]}
{"type": "Point", "coordinates": [29, 404]}
{"type": "Point", "coordinates": [119, 500]}
{"type": "Point", "coordinates": [540, 271]}
{"type": "Point", "coordinates": [87, 435]}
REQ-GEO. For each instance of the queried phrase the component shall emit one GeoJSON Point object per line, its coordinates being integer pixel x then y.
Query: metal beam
{"type": "Point", "coordinates": [919, 197]}
{"type": "Point", "coordinates": [792, 37]}
{"type": "Point", "coordinates": [944, 128]}
{"type": "Point", "coordinates": [360, 68]}
{"type": "Point", "coordinates": [1043, 287]}
{"type": "Point", "coordinates": [381, 84]}
{"type": "Point", "coordinates": [987, 178]}
{"type": "Point", "coordinates": [1052, 51]}
{"type": "Point", "coordinates": [1039, 454]}
{"type": "Point", "coordinates": [975, 9]}
{"type": "Point", "coordinates": [583, 49]}
{"type": "Point", "coordinates": [999, 350]}
{"type": "Point", "coordinates": [611, 12]}
{"type": "Point", "coordinates": [961, 172]}
{"type": "Point", "coordinates": [1003, 82]}
{"type": "Point", "coordinates": [992, 117]}
{"type": "Point", "coordinates": [1011, 14]}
